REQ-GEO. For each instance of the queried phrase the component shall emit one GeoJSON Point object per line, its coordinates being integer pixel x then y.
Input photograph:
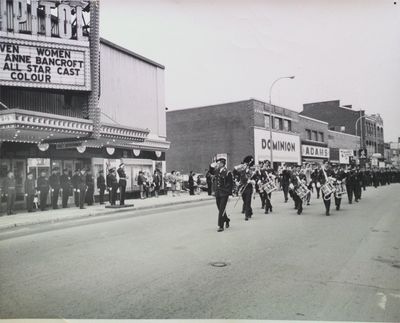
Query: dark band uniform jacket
{"type": "Point", "coordinates": [42, 184]}
{"type": "Point", "coordinates": [30, 186]}
{"type": "Point", "coordinates": [223, 179]}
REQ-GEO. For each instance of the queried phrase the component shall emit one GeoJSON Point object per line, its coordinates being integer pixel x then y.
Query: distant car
{"type": "Point", "coordinates": [203, 181]}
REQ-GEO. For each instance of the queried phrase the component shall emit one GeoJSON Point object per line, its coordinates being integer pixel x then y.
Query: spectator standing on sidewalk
{"type": "Point", "coordinates": [141, 182]}
{"type": "Point", "coordinates": [178, 185]}
{"type": "Point", "coordinates": [198, 185]}
{"type": "Point", "coordinates": [1, 196]}
{"type": "Point", "coordinates": [101, 186]}
{"type": "Point", "coordinates": [209, 182]}
{"type": "Point", "coordinates": [30, 191]}
{"type": "Point", "coordinates": [54, 182]}
{"type": "Point", "coordinates": [43, 188]}
{"type": "Point", "coordinates": [82, 188]}
{"type": "Point", "coordinates": [191, 183]}
{"type": "Point", "coordinates": [112, 185]}
{"type": "Point", "coordinates": [122, 183]}
{"type": "Point", "coordinates": [65, 183]}
{"type": "Point", "coordinates": [75, 184]}
{"type": "Point", "coordinates": [157, 180]}
{"type": "Point", "coordinates": [90, 187]}
{"type": "Point", "coordinates": [9, 190]}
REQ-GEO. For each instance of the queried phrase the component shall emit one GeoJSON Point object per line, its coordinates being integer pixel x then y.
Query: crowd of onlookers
{"type": "Point", "coordinates": [56, 190]}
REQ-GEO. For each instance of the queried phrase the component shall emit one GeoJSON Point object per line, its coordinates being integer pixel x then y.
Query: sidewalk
{"type": "Point", "coordinates": [25, 219]}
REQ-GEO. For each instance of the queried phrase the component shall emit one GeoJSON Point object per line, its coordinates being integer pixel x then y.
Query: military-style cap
{"type": "Point", "coordinates": [249, 160]}
{"type": "Point", "coordinates": [221, 159]}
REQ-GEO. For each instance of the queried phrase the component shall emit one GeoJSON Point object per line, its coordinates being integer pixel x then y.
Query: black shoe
{"type": "Point", "coordinates": [337, 207]}
{"type": "Point", "coordinates": [270, 209]}
{"type": "Point", "coordinates": [220, 229]}
{"type": "Point", "coordinates": [246, 218]}
{"type": "Point", "coordinates": [266, 212]}
{"type": "Point", "coordinates": [82, 208]}
{"type": "Point", "coordinates": [227, 224]}
{"type": "Point", "coordinates": [299, 212]}
{"type": "Point", "coordinates": [356, 201]}
{"type": "Point", "coordinates": [327, 213]}
{"type": "Point", "coordinates": [308, 203]}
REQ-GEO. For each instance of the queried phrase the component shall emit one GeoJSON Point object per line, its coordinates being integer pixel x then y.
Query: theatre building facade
{"type": "Point", "coordinates": [69, 99]}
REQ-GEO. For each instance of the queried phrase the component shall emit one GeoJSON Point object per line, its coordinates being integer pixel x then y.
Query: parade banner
{"type": "Point", "coordinates": [286, 147]}
{"type": "Point", "coordinates": [315, 151]}
{"type": "Point", "coordinates": [344, 156]}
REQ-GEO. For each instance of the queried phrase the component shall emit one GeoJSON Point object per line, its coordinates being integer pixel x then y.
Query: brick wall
{"type": "Point", "coordinates": [332, 113]}
{"type": "Point", "coordinates": [305, 123]}
{"type": "Point", "coordinates": [198, 134]}
{"type": "Point", "coordinates": [342, 140]}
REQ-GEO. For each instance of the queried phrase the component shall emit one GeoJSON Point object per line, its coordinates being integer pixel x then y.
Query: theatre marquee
{"type": "Point", "coordinates": [49, 65]}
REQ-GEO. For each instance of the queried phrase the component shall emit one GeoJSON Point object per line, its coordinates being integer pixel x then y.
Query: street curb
{"type": "Point", "coordinates": [107, 211]}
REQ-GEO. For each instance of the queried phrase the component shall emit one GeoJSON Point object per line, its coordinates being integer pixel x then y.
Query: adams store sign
{"type": "Point", "coordinates": [315, 151]}
{"type": "Point", "coordinates": [285, 147]}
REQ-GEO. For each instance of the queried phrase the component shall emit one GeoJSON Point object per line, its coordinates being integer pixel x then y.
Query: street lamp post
{"type": "Point", "coordinates": [360, 130]}
{"type": "Point", "coordinates": [270, 116]}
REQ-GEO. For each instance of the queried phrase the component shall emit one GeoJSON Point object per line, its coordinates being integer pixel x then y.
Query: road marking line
{"type": "Point", "coordinates": [382, 302]}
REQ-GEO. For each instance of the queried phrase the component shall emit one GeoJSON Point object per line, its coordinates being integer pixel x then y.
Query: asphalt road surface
{"type": "Point", "coordinates": [280, 266]}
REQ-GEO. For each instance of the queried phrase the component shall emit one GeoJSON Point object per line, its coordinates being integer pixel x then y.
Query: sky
{"type": "Point", "coordinates": [223, 51]}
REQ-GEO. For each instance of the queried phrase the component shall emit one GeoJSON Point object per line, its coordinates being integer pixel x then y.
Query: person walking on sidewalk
{"type": "Point", "coordinates": [54, 182]}
{"type": "Point", "coordinates": [43, 188]}
{"type": "Point", "coordinates": [101, 186]}
{"type": "Point", "coordinates": [65, 184]}
{"type": "Point", "coordinates": [30, 191]}
{"type": "Point", "coordinates": [9, 190]}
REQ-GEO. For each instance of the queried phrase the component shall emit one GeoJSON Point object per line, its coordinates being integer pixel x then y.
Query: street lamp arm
{"type": "Point", "coordinates": [273, 83]}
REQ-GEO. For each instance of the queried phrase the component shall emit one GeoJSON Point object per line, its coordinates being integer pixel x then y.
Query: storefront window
{"type": "Point", "coordinates": [19, 169]}
{"type": "Point", "coordinates": [37, 165]}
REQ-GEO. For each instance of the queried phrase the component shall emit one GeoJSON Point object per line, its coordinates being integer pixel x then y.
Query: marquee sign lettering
{"type": "Point", "coordinates": [51, 17]}
{"type": "Point", "coordinates": [315, 151]}
{"type": "Point", "coordinates": [40, 64]}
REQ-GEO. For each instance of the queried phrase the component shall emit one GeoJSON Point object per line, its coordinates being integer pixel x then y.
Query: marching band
{"type": "Point", "coordinates": [331, 182]}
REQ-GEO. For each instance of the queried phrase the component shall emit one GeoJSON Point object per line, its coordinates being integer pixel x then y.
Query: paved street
{"type": "Point", "coordinates": [279, 266]}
